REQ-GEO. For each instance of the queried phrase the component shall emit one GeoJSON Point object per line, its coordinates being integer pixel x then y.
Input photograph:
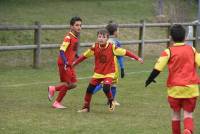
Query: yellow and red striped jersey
{"type": "Point", "coordinates": [182, 78]}
{"type": "Point", "coordinates": [104, 59]}
{"type": "Point", "coordinates": [69, 46]}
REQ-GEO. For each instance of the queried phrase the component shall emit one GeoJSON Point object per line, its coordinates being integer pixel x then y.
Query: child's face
{"type": "Point", "coordinates": [102, 39]}
{"type": "Point", "coordinates": [76, 28]}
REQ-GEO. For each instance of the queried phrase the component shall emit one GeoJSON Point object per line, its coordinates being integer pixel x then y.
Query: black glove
{"type": "Point", "coordinates": [122, 73]}
{"type": "Point", "coordinates": [148, 82]}
{"type": "Point", "coordinates": [152, 76]}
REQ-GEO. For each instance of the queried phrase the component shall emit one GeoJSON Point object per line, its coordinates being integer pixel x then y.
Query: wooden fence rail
{"type": "Point", "coordinates": [37, 28]}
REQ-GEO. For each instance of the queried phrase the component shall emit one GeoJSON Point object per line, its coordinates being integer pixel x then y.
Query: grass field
{"type": "Point", "coordinates": [25, 109]}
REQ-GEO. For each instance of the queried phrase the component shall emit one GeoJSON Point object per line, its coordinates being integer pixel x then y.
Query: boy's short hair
{"type": "Point", "coordinates": [74, 19]}
{"type": "Point", "coordinates": [177, 33]}
{"type": "Point", "coordinates": [111, 27]}
{"type": "Point", "coordinates": [103, 32]}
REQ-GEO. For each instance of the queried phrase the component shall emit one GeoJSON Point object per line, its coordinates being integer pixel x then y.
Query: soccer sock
{"type": "Point", "coordinates": [97, 88]}
{"type": "Point", "coordinates": [109, 96]}
{"type": "Point", "coordinates": [61, 94]}
{"type": "Point", "coordinates": [176, 127]}
{"type": "Point", "coordinates": [60, 87]}
{"type": "Point", "coordinates": [114, 91]}
{"type": "Point", "coordinates": [87, 100]}
{"type": "Point", "coordinates": [188, 124]}
{"type": "Point", "coordinates": [106, 89]}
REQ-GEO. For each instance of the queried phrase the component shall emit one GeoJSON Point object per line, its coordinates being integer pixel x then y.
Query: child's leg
{"type": "Point", "coordinates": [114, 91]}
{"type": "Point", "coordinates": [107, 82]}
{"type": "Point", "coordinates": [188, 107]}
{"type": "Point", "coordinates": [106, 89]}
{"type": "Point", "coordinates": [188, 122]}
{"type": "Point", "coordinates": [98, 87]}
{"type": "Point", "coordinates": [63, 89]}
{"type": "Point", "coordinates": [61, 94]}
{"type": "Point", "coordinates": [176, 127]}
{"type": "Point", "coordinates": [58, 87]}
{"type": "Point", "coordinates": [88, 96]}
{"type": "Point", "coordinates": [175, 105]}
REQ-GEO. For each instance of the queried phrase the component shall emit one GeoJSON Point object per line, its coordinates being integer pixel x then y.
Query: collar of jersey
{"type": "Point", "coordinates": [72, 34]}
{"type": "Point", "coordinates": [179, 44]}
{"type": "Point", "coordinates": [105, 46]}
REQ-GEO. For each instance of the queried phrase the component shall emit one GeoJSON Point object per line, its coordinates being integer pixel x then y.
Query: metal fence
{"type": "Point", "coordinates": [37, 28]}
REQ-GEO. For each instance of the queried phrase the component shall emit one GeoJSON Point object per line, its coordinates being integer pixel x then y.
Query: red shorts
{"type": "Point", "coordinates": [96, 81]}
{"type": "Point", "coordinates": [68, 75]}
{"type": "Point", "coordinates": [188, 104]}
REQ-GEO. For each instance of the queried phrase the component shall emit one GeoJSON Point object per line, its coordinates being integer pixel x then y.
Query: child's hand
{"type": "Point", "coordinates": [141, 60]}
{"type": "Point", "coordinates": [148, 82]}
{"type": "Point", "coordinates": [73, 64]}
{"type": "Point", "coordinates": [122, 73]}
{"type": "Point", "coordinates": [67, 65]}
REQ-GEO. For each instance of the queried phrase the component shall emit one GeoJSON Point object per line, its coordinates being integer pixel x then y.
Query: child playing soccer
{"type": "Point", "coordinates": [113, 32]}
{"type": "Point", "coordinates": [183, 80]}
{"type": "Point", "coordinates": [104, 70]}
{"type": "Point", "coordinates": [68, 51]}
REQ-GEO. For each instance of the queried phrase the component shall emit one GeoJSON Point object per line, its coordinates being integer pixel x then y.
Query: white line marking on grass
{"type": "Point", "coordinates": [81, 78]}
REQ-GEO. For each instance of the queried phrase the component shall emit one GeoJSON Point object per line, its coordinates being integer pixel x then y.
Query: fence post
{"type": "Point", "coordinates": [141, 37]}
{"type": "Point", "coordinates": [195, 34]}
{"type": "Point", "coordinates": [37, 41]}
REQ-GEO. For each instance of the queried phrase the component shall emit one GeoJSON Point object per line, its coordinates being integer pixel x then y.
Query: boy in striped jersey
{"type": "Point", "coordinates": [183, 80]}
{"type": "Point", "coordinates": [67, 54]}
{"type": "Point", "coordinates": [113, 34]}
{"type": "Point", "coordinates": [104, 71]}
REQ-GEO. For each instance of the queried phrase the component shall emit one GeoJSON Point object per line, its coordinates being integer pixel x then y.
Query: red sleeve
{"type": "Point", "coordinates": [79, 60]}
{"type": "Point", "coordinates": [129, 54]}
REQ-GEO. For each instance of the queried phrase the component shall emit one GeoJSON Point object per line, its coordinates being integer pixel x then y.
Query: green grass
{"type": "Point", "coordinates": [24, 106]}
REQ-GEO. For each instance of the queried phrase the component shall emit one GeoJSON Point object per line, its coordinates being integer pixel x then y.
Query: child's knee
{"type": "Point", "coordinates": [91, 88]}
{"type": "Point", "coordinates": [106, 88]}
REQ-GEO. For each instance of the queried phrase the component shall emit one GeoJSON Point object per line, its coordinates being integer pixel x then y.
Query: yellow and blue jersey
{"type": "Point", "coordinates": [118, 59]}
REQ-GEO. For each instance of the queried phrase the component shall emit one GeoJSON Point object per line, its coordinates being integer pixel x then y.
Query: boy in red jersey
{"type": "Point", "coordinates": [104, 71]}
{"type": "Point", "coordinates": [183, 80]}
{"type": "Point", "coordinates": [68, 51]}
{"type": "Point", "coordinates": [119, 60]}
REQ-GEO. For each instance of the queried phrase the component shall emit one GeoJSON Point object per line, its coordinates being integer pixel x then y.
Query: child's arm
{"type": "Point", "coordinates": [79, 60]}
{"type": "Point", "coordinates": [62, 55]}
{"type": "Point", "coordinates": [123, 52]}
{"type": "Point", "coordinates": [159, 66]}
{"type": "Point", "coordinates": [151, 77]}
{"type": "Point", "coordinates": [63, 48]}
{"type": "Point", "coordinates": [120, 60]}
{"type": "Point", "coordinates": [197, 58]}
{"type": "Point", "coordinates": [88, 53]}
{"type": "Point", "coordinates": [129, 54]}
